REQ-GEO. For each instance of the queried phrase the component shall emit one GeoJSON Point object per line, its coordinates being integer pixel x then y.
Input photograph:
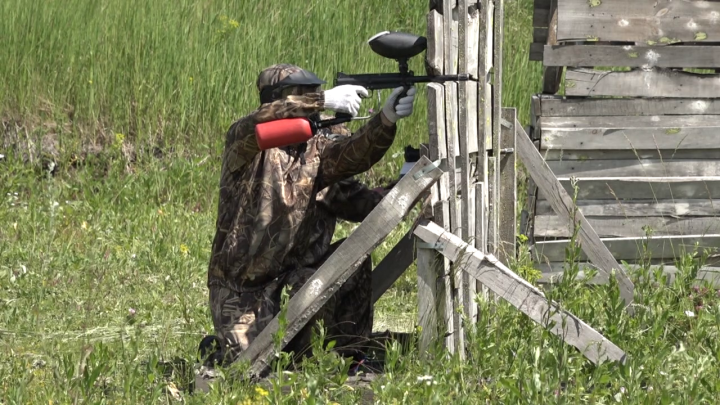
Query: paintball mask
{"type": "Point", "coordinates": [281, 80]}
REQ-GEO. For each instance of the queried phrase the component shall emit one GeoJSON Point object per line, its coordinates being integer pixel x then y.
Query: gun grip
{"type": "Point", "coordinates": [343, 116]}
{"type": "Point", "coordinates": [401, 95]}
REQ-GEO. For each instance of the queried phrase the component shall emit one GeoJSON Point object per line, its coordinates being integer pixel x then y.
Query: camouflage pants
{"type": "Point", "coordinates": [347, 316]}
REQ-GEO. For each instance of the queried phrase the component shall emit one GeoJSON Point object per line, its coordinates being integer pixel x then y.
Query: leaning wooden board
{"type": "Point", "coordinates": [343, 263]}
{"type": "Point", "coordinates": [521, 294]}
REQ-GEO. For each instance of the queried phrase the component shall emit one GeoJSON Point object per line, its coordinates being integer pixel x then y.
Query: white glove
{"type": "Point", "coordinates": [404, 106]}
{"type": "Point", "coordinates": [345, 99]}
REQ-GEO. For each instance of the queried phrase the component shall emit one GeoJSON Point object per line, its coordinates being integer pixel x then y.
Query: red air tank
{"type": "Point", "coordinates": [283, 132]}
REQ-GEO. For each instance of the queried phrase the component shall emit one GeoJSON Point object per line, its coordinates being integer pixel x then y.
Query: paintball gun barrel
{"type": "Point", "coordinates": [400, 46]}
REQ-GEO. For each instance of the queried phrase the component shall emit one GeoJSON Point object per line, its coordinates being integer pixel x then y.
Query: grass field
{"type": "Point", "coordinates": [103, 265]}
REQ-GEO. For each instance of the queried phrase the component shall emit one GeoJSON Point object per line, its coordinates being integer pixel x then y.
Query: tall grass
{"type": "Point", "coordinates": [176, 74]}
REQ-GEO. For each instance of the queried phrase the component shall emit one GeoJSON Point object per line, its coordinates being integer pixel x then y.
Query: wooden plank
{"type": "Point", "coordinates": [451, 125]}
{"type": "Point", "coordinates": [436, 43]}
{"type": "Point", "coordinates": [630, 154]}
{"type": "Point", "coordinates": [343, 263]}
{"type": "Point", "coordinates": [703, 57]}
{"type": "Point", "coordinates": [484, 132]}
{"type": "Point", "coordinates": [393, 265]}
{"type": "Point", "coordinates": [494, 227]}
{"type": "Point", "coordinates": [441, 215]}
{"type": "Point", "coordinates": [640, 208]}
{"type": "Point", "coordinates": [541, 4]}
{"type": "Point", "coordinates": [552, 226]}
{"type": "Point", "coordinates": [636, 168]}
{"type": "Point", "coordinates": [552, 75]}
{"type": "Point", "coordinates": [557, 106]}
{"type": "Point", "coordinates": [629, 122]}
{"type": "Point", "coordinates": [471, 63]}
{"type": "Point", "coordinates": [464, 124]}
{"type": "Point", "coordinates": [563, 205]}
{"type": "Point", "coordinates": [540, 35]}
{"type": "Point", "coordinates": [508, 189]}
{"type": "Point", "coordinates": [431, 300]}
{"type": "Point", "coordinates": [708, 271]}
{"type": "Point", "coordinates": [553, 273]}
{"type": "Point", "coordinates": [541, 17]}
{"type": "Point", "coordinates": [485, 68]}
{"type": "Point", "coordinates": [630, 138]}
{"type": "Point", "coordinates": [536, 52]}
{"type": "Point", "coordinates": [633, 248]}
{"type": "Point", "coordinates": [522, 295]}
{"type": "Point", "coordinates": [640, 83]}
{"type": "Point", "coordinates": [646, 21]}
{"type": "Point", "coordinates": [636, 188]}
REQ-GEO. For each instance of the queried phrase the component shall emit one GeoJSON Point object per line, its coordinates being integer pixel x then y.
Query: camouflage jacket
{"type": "Point", "coordinates": [276, 212]}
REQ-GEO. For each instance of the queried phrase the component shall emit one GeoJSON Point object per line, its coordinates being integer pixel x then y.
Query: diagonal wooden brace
{"type": "Point", "coordinates": [521, 294]}
{"type": "Point", "coordinates": [563, 205]}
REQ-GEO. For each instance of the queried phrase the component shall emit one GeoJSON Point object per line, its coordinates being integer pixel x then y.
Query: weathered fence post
{"type": "Point", "coordinates": [464, 36]}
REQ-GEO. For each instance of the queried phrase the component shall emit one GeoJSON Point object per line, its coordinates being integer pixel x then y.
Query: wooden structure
{"type": "Point", "coordinates": [640, 139]}
{"type": "Point", "coordinates": [466, 178]}
{"type": "Point", "coordinates": [467, 237]}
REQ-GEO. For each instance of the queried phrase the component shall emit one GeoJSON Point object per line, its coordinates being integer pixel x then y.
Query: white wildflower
{"type": "Point", "coordinates": [425, 378]}
{"type": "Point", "coordinates": [690, 314]}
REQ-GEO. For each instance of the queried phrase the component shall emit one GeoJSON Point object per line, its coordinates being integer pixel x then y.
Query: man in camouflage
{"type": "Point", "coordinates": [278, 210]}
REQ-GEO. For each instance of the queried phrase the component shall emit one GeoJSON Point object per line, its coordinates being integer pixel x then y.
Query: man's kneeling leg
{"type": "Point", "coordinates": [238, 319]}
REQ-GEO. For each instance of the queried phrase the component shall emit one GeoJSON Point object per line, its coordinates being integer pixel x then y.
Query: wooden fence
{"type": "Point", "coordinates": [641, 140]}
{"type": "Point", "coordinates": [464, 239]}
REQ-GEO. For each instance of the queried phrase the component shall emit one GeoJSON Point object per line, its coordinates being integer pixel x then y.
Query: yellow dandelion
{"type": "Point", "coordinates": [84, 225]}
{"type": "Point", "coordinates": [184, 249]}
{"type": "Point", "coordinates": [260, 391]}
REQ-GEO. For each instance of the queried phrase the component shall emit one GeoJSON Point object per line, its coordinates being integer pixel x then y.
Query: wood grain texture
{"type": "Point", "coordinates": [508, 190]}
{"type": "Point", "coordinates": [552, 226]}
{"type": "Point", "coordinates": [465, 213]}
{"type": "Point", "coordinates": [557, 106]}
{"type": "Point", "coordinates": [451, 129]}
{"type": "Point", "coordinates": [522, 295]}
{"type": "Point", "coordinates": [637, 188]}
{"type": "Point", "coordinates": [629, 154]}
{"type": "Point", "coordinates": [633, 248]}
{"type": "Point", "coordinates": [622, 132]}
{"type": "Point", "coordinates": [562, 204]}
{"type": "Point", "coordinates": [677, 208]}
{"type": "Point", "coordinates": [441, 214]}
{"type": "Point", "coordinates": [641, 83]}
{"type": "Point", "coordinates": [646, 21]}
{"type": "Point", "coordinates": [393, 265]}
{"type": "Point", "coordinates": [343, 263]}
{"type": "Point", "coordinates": [631, 56]}
{"type": "Point", "coordinates": [636, 168]}
{"type": "Point", "coordinates": [494, 227]}
{"type": "Point", "coordinates": [435, 43]}
{"type": "Point", "coordinates": [553, 273]}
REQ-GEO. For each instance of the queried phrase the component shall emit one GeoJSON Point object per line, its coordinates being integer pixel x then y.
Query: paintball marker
{"type": "Point", "coordinates": [400, 46]}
